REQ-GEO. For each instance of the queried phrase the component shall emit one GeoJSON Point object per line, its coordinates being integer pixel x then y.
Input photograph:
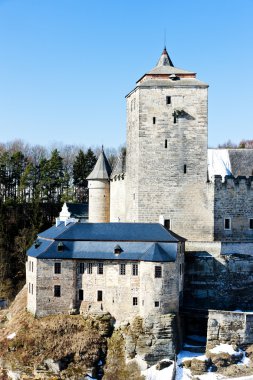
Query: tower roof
{"type": "Point", "coordinates": [102, 169]}
{"type": "Point", "coordinates": [164, 60]}
{"type": "Point", "coordinates": [165, 68]}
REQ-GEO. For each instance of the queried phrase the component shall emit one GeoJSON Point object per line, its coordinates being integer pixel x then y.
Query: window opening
{"type": "Point", "coordinates": [57, 290]}
{"type": "Point", "coordinates": [100, 268]}
{"type": "Point", "coordinates": [154, 120]}
{"type": "Point", "coordinates": [157, 303]}
{"type": "Point", "coordinates": [167, 224]}
{"type": "Point", "coordinates": [80, 294]}
{"type": "Point", "coordinates": [251, 224]}
{"type": "Point", "coordinates": [60, 247]}
{"type": "Point", "coordinates": [57, 268]}
{"type": "Point", "coordinates": [227, 224]}
{"type": "Point", "coordinates": [135, 269]}
{"type": "Point", "coordinates": [158, 271]}
{"type": "Point", "coordinates": [168, 99]}
{"type": "Point", "coordinates": [166, 143]}
{"type": "Point", "coordinates": [100, 295]}
{"type": "Point", "coordinates": [89, 268]}
{"type": "Point", "coordinates": [135, 301]}
{"type": "Point", "coordinates": [185, 169]}
{"type": "Point", "coordinates": [81, 268]}
{"type": "Point", "coordinates": [122, 269]}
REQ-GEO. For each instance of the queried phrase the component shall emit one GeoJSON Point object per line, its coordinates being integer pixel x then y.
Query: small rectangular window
{"type": "Point", "coordinates": [227, 224]}
{"type": "Point", "coordinates": [29, 263]}
{"type": "Point", "coordinates": [81, 268]}
{"type": "Point", "coordinates": [158, 271]}
{"type": "Point", "coordinates": [80, 294]}
{"type": "Point", "coordinates": [185, 169]}
{"type": "Point", "coordinates": [154, 120]}
{"type": "Point", "coordinates": [168, 99]}
{"type": "Point", "coordinates": [166, 143]}
{"type": "Point", "coordinates": [29, 287]}
{"type": "Point", "coordinates": [135, 269]}
{"type": "Point", "coordinates": [157, 303]}
{"type": "Point", "coordinates": [167, 224]}
{"type": "Point", "coordinates": [122, 269]}
{"type": "Point", "coordinates": [100, 268]}
{"type": "Point", "coordinates": [32, 288]}
{"type": "Point", "coordinates": [32, 266]}
{"type": "Point", "coordinates": [135, 301]}
{"type": "Point", "coordinates": [89, 268]}
{"type": "Point", "coordinates": [57, 268]}
{"type": "Point", "coordinates": [174, 119]}
{"type": "Point", "coordinates": [57, 290]}
{"type": "Point", "coordinates": [251, 224]}
{"type": "Point", "coordinates": [100, 295]}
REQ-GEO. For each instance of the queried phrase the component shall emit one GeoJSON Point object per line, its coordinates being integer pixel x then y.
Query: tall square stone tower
{"type": "Point", "coordinates": [167, 152]}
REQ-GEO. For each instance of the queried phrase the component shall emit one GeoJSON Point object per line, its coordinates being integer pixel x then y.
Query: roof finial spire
{"type": "Point", "coordinates": [165, 39]}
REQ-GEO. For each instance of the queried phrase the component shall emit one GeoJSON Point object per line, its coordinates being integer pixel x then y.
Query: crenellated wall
{"type": "Point", "coordinates": [118, 198]}
{"type": "Point", "coordinates": [233, 199]}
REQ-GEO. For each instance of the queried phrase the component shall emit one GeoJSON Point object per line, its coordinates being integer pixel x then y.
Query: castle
{"type": "Point", "coordinates": [127, 260]}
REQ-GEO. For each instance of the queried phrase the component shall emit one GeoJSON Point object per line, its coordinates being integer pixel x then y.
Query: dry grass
{"type": "Point", "coordinates": [60, 337]}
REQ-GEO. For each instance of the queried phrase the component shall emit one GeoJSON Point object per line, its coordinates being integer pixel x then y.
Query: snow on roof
{"type": "Point", "coordinates": [218, 163]}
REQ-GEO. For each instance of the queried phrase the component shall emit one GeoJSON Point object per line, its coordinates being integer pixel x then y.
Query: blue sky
{"type": "Point", "coordinates": [66, 65]}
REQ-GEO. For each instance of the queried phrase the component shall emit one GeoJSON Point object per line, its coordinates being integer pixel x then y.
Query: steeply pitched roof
{"type": "Point", "coordinates": [142, 232]}
{"type": "Point", "coordinates": [164, 60]}
{"type": "Point", "coordinates": [102, 169]}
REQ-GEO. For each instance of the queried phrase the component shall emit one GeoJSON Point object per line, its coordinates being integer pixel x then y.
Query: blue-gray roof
{"type": "Point", "coordinates": [90, 250]}
{"type": "Point", "coordinates": [152, 232]}
{"type": "Point", "coordinates": [97, 241]}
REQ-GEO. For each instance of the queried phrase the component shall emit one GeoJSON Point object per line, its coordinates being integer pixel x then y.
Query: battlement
{"type": "Point", "coordinates": [233, 182]}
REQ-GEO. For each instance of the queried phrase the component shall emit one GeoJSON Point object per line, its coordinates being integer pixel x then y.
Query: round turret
{"type": "Point", "coordinates": [99, 191]}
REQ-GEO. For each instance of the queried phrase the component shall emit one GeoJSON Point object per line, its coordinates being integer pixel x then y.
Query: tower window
{"type": "Point", "coordinates": [157, 303]}
{"type": "Point", "coordinates": [167, 224]}
{"type": "Point", "coordinates": [185, 169]}
{"type": "Point", "coordinates": [99, 295]}
{"type": "Point", "coordinates": [227, 224]}
{"type": "Point", "coordinates": [57, 268]}
{"type": "Point", "coordinates": [135, 301]}
{"type": "Point", "coordinates": [251, 224]}
{"type": "Point", "coordinates": [166, 143]}
{"type": "Point", "coordinates": [100, 268]}
{"type": "Point", "coordinates": [135, 269]}
{"type": "Point", "coordinates": [158, 271]}
{"type": "Point", "coordinates": [168, 99]}
{"type": "Point", "coordinates": [80, 294]}
{"type": "Point", "coordinates": [154, 120]}
{"type": "Point", "coordinates": [57, 291]}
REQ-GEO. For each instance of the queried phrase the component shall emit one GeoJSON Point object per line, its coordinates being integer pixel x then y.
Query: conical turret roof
{"type": "Point", "coordinates": [164, 60]}
{"type": "Point", "coordinates": [102, 169]}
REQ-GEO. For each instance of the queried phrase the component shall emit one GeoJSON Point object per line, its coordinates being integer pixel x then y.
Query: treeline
{"type": "Point", "coordinates": [243, 144]}
{"type": "Point", "coordinates": [34, 183]}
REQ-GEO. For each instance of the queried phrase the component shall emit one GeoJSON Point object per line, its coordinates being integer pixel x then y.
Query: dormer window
{"type": "Point", "coordinates": [60, 247]}
{"type": "Point", "coordinates": [117, 250]}
{"type": "Point", "coordinates": [37, 243]}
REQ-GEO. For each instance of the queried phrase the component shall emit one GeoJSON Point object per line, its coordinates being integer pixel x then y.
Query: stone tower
{"type": "Point", "coordinates": [99, 191]}
{"type": "Point", "coordinates": [167, 151]}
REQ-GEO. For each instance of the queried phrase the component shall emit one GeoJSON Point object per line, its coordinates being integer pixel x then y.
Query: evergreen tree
{"type": "Point", "coordinates": [82, 167]}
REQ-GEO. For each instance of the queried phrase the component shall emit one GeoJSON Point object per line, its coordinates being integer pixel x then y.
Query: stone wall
{"type": "Point", "coordinates": [220, 281]}
{"type": "Point", "coordinates": [229, 327]}
{"type": "Point", "coordinates": [157, 183]}
{"type": "Point", "coordinates": [122, 295]}
{"type": "Point", "coordinates": [118, 199]}
{"type": "Point", "coordinates": [233, 199]}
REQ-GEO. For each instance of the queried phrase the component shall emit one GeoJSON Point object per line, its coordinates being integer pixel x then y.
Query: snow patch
{"type": "Point", "coordinates": [164, 374]}
{"type": "Point", "coordinates": [227, 348]}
